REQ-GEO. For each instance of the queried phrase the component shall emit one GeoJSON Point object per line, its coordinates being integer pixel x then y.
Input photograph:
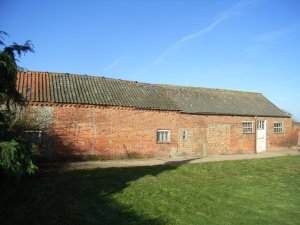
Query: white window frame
{"type": "Point", "coordinates": [247, 129]}
{"type": "Point", "coordinates": [278, 127]}
{"type": "Point", "coordinates": [260, 124]}
{"type": "Point", "coordinates": [163, 136]}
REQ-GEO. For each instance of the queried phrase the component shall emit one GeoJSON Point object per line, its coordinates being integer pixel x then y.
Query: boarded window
{"type": "Point", "coordinates": [247, 127]}
{"type": "Point", "coordinates": [163, 136]}
{"type": "Point", "coordinates": [278, 127]}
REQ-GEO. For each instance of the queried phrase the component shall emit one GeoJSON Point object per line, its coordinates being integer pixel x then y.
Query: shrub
{"type": "Point", "coordinates": [16, 154]}
{"type": "Point", "coordinates": [17, 157]}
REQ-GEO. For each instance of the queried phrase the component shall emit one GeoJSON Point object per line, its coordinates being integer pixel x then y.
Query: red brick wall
{"type": "Point", "coordinates": [296, 128]}
{"type": "Point", "coordinates": [113, 132]}
{"type": "Point", "coordinates": [220, 134]}
{"type": "Point", "coordinates": [278, 141]}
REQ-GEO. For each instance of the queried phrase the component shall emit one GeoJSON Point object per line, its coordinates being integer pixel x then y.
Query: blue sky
{"type": "Point", "coordinates": [249, 45]}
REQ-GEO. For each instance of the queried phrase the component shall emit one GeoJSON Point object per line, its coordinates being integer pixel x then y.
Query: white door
{"type": "Point", "coordinates": [261, 128]}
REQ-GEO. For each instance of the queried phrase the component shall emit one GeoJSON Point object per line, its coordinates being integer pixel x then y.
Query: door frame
{"type": "Point", "coordinates": [261, 136]}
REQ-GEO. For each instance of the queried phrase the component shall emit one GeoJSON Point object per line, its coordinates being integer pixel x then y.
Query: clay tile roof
{"type": "Point", "coordinates": [82, 89]}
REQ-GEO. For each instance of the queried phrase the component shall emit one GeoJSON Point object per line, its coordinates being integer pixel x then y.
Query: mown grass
{"type": "Point", "coordinates": [263, 191]}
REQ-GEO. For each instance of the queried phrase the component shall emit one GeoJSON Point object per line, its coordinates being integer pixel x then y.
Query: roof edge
{"type": "Point", "coordinates": [98, 105]}
{"type": "Point", "coordinates": [232, 114]}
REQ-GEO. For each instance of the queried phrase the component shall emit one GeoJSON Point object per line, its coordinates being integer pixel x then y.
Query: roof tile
{"type": "Point", "coordinates": [82, 89]}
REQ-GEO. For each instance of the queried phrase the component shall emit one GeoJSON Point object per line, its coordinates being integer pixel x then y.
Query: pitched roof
{"type": "Point", "coordinates": [220, 101]}
{"type": "Point", "coordinates": [82, 89]}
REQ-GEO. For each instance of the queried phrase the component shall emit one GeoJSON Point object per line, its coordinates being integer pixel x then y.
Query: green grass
{"type": "Point", "coordinates": [263, 191]}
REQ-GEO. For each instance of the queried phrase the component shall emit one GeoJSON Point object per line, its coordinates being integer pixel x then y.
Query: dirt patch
{"type": "Point", "coordinates": [167, 161]}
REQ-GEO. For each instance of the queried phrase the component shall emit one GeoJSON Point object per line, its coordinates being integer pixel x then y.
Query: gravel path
{"type": "Point", "coordinates": [174, 160]}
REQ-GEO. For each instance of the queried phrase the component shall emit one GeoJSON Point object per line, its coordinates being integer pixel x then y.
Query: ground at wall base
{"type": "Point", "coordinates": [170, 160]}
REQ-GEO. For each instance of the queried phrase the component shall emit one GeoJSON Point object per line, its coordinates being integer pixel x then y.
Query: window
{"type": "Point", "coordinates": [247, 127]}
{"type": "Point", "coordinates": [163, 136]}
{"type": "Point", "coordinates": [278, 127]}
{"type": "Point", "coordinates": [184, 135]}
{"type": "Point", "coordinates": [34, 136]}
{"type": "Point", "coordinates": [260, 124]}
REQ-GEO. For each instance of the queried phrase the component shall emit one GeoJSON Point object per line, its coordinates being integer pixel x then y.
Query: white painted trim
{"type": "Point", "coordinates": [169, 136]}
{"type": "Point", "coordinates": [261, 137]}
{"type": "Point", "coordinates": [252, 122]}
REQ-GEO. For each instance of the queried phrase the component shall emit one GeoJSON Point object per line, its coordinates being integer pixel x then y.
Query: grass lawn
{"type": "Point", "coordinates": [261, 191]}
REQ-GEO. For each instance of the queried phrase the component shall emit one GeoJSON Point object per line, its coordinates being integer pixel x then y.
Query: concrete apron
{"type": "Point", "coordinates": [168, 161]}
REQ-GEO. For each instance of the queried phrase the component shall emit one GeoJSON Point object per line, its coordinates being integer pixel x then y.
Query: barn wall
{"type": "Point", "coordinates": [279, 141]}
{"type": "Point", "coordinates": [110, 132]}
{"type": "Point", "coordinates": [118, 132]}
{"type": "Point", "coordinates": [216, 134]}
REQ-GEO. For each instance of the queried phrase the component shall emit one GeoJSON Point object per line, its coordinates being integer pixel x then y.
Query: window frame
{"type": "Point", "coordinates": [278, 129]}
{"type": "Point", "coordinates": [184, 135]}
{"type": "Point", "coordinates": [260, 124]}
{"type": "Point", "coordinates": [34, 136]}
{"type": "Point", "coordinates": [163, 136]}
{"type": "Point", "coordinates": [251, 130]}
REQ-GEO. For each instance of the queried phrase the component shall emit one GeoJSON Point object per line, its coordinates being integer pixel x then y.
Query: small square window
{"type": "Point", "coordinates": [163, 136]}
{"type": "Point", "coordinates": [278, 127]}
{"type": "Point", "coordinates": [247, 127]}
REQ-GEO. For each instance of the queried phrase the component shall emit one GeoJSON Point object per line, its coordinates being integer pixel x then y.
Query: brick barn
{"type": "Point", "coordinates": [111, 118]}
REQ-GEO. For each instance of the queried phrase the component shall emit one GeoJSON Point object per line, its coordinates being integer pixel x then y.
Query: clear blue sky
{"type": "Point", "coordinates": [251, 45]}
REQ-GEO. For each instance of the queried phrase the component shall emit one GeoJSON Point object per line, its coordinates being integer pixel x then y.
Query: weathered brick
{"type": "Point", "coordinates": [118, 132]}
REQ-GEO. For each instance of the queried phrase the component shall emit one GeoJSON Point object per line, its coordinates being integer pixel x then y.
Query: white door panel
{"type": "Point", "coordinates": [261, 136]}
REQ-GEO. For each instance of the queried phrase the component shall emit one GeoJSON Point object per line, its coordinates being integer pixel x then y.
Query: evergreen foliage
{"type": "Point", "coordinates": [9, 69]}
{"type": "Point", "coordinates": [16, 154]}
{"type": "Point", "coordinates": [16, 157]}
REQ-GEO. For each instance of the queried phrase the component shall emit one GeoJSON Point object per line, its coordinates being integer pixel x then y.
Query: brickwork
{"type": "Point", "coordinates": [220, 134]}
{"type": "Point", "coordinates": [111, 132]}
{"type": "Point", "coordinates": [278, 141]}
{"type": "Point", "coordinates": [194, 141]}
{"type": "Point", "coordinates": [118, 132]}
{"type": "Point", "coordinates": [296, 128]}
{"type": "Point", "coordinates": [218, 138]}
{"type": "Point", "coordinates": [42, 116]}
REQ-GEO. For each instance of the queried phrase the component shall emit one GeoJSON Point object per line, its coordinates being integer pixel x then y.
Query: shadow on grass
{"type": "Point", "coordinates": [76, 197]}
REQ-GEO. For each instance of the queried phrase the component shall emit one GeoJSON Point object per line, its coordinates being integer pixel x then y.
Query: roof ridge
{"type": "Point", "coordinates": [210, 89]}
